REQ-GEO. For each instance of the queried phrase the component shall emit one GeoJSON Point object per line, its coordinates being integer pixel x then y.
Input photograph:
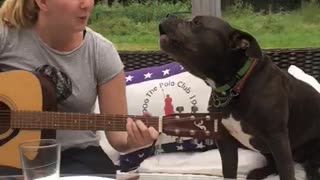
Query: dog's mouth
{"type": "Point", "coordinates": [167, 41]}
{"type": "Point", "coordinates": [170, 44]}
{"type": "Point", "coordinates": [161, 30]}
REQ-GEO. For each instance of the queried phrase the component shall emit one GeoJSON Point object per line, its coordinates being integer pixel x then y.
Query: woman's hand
{"type": "Point", "coordinates": [139, 135]}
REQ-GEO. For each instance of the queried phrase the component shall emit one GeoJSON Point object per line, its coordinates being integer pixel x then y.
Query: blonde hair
{"type": "Point", "coordinates": [19, 13]}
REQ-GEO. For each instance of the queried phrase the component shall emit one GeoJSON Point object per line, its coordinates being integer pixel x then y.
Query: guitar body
{"type": "Point", "coordinates": [22, 90]}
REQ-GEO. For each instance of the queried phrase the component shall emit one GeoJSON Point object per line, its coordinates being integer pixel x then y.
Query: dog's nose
{"type": "Point", "coordinates": [161, 31]}
{"type": "Point", "coordinates": [165, 21]}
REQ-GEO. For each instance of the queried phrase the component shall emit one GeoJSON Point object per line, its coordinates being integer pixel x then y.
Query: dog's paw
{"type": "Point", "coordinates": [261, 173]}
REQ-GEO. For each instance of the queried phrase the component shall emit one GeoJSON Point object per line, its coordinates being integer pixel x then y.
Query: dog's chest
{"type": "Point", "coordinates": [235, 129]}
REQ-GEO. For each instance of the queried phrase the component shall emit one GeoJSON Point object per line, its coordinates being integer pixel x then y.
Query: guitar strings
{"type": "Point", "coordinates": [116, 121]}
{"type": "Point", "coordinates": [29, 124]}
{"type": "Point", "coordinates": [80, 113]}
{"type": "Point", "coordinates": [97, 117]}
{"type": "Point", "coordinates": [68, 120]}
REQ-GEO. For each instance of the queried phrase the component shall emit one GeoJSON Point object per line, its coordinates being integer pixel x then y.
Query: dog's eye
{"type": "Point", "coordinates": [197, 22]}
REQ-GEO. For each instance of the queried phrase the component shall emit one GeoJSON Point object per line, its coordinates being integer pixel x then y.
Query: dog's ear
{"type": "Point", "coordinates": [243, 40]}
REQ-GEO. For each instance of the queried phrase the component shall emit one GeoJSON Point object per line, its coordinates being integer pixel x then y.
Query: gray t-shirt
{"type": "Point", "coordinates": [76, 73]}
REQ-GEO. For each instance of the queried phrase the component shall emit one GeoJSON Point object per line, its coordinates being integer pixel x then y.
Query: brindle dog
{"type": "Point", "coordinates": [266, 109]}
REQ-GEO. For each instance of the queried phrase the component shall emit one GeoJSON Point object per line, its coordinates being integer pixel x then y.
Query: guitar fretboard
{"type": "Point", "coordinates": [74, 121]}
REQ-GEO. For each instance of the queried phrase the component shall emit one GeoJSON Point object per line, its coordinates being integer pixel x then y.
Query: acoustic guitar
{"type": "Point", "coordinates": [27, 111]}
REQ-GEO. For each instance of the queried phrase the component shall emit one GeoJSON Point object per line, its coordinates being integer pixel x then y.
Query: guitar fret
{"type": "Point", "coordinates": [42, 120]}
{"type": "Point", "coordinates": [95, 122]}
{"type": "Point", "coordinates": [67, 121]}
{"type": "Point", "coordinates": [43, 115]}
{"type": "Point", "coordinates": [13, 122]}
{"type": "Point", "coordinates": [20, 118]}
{"type": "Point", "coordinates": [15, 119]}
{"type": "Point", "coordinates": [29, 117]}
{"type": "Point", "coordinates": [87, 122]}
{"type": "Point", "coordinates": [34, 119]}
{"type": "Point", "coordinates": [104, 122]}
{"type": "Point", "coordinates": [22, 122]}
{"type": "Point", "coordinates": [48, 120]}
{"type": "Point", "coordinates": [92, 121]}
{"type": "Point", "coordinates": [57, 122]}
{"type": "Point", "coordinates": [64, 121]}
{"type": "Point", "coordinates": [56, 118]}
{"type": "Point", "coordinates": [113, 117]}
{"type": "Point", "coordinates": [60, 120]}
{"type": "Point", "coordinates": [78, 121]}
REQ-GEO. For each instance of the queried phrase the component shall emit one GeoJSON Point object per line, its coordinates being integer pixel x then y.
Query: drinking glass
{"type": "Point", "coordinates": [40, 159]}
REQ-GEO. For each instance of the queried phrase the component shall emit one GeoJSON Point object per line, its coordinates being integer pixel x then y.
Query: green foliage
{"type": "Point", "coordinates": [135, 26]}
{"type": "Point", "coordinates": [240, 8]}
{"type": "Point", "coordinates": [150, 11]}
{"type": "Point", "coordinates": [310, 13]}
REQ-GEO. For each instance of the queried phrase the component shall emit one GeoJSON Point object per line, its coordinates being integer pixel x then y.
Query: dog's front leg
{"type": "Point", "coordinates": [228, 148]}
{"type": "Point", "coordinates": [280, 148]}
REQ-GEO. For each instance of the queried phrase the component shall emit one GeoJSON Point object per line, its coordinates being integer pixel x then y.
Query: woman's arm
{"type": "Point", "coordinates": [112, 100]}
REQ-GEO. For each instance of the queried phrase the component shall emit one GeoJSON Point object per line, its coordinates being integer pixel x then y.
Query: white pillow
{"type": "Point", "coordinates": [209, 162]}
{"type": "Point", "coordinates": [147, 89]}
{"type": "Point", "coordinates": [195, 162]}
{"type": "Point", "coordinates": [299, 74]}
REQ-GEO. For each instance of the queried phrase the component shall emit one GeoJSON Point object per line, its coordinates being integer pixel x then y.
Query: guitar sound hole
{"type": "Point", "coordinates": [4, 118]}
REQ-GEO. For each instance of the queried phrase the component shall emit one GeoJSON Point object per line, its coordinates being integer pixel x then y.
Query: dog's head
{"type": "Point", "coordinates": [207, 46]}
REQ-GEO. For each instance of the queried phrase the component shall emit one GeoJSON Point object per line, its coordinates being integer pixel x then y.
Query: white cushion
{"type": "Point", "coordinates": [150, 95]}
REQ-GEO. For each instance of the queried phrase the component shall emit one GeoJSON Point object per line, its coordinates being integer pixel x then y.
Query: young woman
{"type": "Point", "coordinates": [51, 37]}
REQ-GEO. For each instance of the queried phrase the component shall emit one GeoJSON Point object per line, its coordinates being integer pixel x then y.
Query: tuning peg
{"type": "Point", "coordinates": [209, 142]}
{"type": "Point", "coordinates": [195, 141]}
{"type": "Point", "coordinates": [179, 140]}
{"type": "Point", "coordinates": [180, 109]}
{"type": "Point", "coordinates": [194, 109]}
{"type": "Point", "coordinates": [192, 132]}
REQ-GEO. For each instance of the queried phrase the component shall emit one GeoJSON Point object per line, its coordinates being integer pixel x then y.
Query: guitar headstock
{"type": "Point", "coordinates": [196, 125]}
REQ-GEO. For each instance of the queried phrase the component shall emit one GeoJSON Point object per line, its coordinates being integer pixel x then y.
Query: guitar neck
{"type": "Point", "coordinates": [74, 121]}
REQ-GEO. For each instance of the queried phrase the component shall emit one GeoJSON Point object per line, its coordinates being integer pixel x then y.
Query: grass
{"type": "Point", "coordinates": [135, 27]}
